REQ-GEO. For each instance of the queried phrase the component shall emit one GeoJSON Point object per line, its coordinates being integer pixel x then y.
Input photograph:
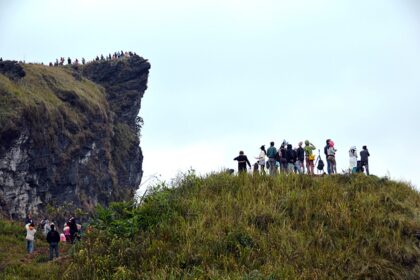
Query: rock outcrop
{"type": "Point", "coordinates": [69, 135]}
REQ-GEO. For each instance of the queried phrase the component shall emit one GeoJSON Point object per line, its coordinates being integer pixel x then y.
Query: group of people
{"type": "Point", "coordinates": [76, 62]}
{"type": "Point", "coordinates": [71, 233]}
{"type": "Point", "coordinates": [294, 160]}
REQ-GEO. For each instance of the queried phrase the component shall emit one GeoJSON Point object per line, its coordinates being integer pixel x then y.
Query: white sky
{"type": "Point", "coordinates": [233, 75]}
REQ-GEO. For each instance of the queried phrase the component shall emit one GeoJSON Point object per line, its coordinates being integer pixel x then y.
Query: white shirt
{"type": "Point", "coordinates": [30, 233]}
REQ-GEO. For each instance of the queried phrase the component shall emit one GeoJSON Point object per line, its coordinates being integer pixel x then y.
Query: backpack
{"type": "Point", "coordinates": [320, 165]}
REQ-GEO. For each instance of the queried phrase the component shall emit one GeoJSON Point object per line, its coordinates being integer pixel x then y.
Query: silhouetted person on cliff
{"type": "Point", "coordinates": [364, 159]}
{"type": "Point", "coordinates": [83, 61]}
{"type": "Point", "coordinates": [242, 162]}
{"type": "Point", "coordinates": [53, 238]}
{"type": "Point", "coordinates": [74, 231]}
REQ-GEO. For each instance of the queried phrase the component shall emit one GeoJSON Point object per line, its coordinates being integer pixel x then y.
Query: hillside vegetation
{"type": "Point", "coordinates": [244, 227]}
{"type": "Point", "coordinates": [255, 227]}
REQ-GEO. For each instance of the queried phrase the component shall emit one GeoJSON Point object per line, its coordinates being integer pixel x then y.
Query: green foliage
{"type": "Point", "coordinates": [244, 227]}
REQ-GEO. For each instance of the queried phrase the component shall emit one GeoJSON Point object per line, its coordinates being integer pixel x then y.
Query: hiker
{"type": "Point", "coordinates": [30, 237]}
{"type": "Point", "coordinates": [331, 158]}
{"type": "Point", "coordinates": [364, 158]}
{"type": "Point", "coordinates": [290, 156]}
{"type": "Point", "coordinates": [353, 159]}
{"type": "Point", "coordinates": [309, 156]}
{"type": "Point", "coordinates": [74, 231]}
{"type": "Point", "coordinates": [28, 219]}
{"type": "Point", "coordinates": [326, 154]}
{"type": "Point", "coordinates": [83, 61]}
{"type": "Point", "coordinates": [242, 162]}
{"type": "Point", "coordinates": [271, 154]}
{"type": "Point", "coordinates": [53, 238]}
{"type": "Point", "coordinates": [66, 231]}
{"type": "Point", "coordinates": [45, 224]}
{"type": "Point", "coordinates": [68, 60]}
{"type": "Point", "coordinates": [300, 154]}
{"type": "Point", "coordinates": [261, 159]}
{"type": "Point", "coordinates": [281, 157]}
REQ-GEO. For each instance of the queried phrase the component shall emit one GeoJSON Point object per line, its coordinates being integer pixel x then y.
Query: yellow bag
{"type": "Point", "coordinates": [311, 157]}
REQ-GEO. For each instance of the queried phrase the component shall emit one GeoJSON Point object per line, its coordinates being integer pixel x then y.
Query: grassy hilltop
{"type": "Point", "coordinates": [244, 227]}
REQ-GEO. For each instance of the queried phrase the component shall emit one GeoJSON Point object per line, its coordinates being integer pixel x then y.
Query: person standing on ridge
{"type": "Point", "coordinates": [331, 157]}
{"type": "Point", "coordinates": [30, 237]}
{"type": "Point", "coordinates": [300, 154]}
{"type": "Point", "coordinates": [309, 157]}
{"type": "Point", "coordinates": [364, 158]}
{"type": "Point", "coordinates": [53, 238]}
{"type": "Point", "coordinates": [271, 154]}
{"type": "Point", "coordinates": [290, 158]}
{"type": "Point", "coordinates": [353, 159]}
{"type": "Point", "coordinates": [242, 162]}
{"type": "Point", "coordinates": [326, 154]}
{"type": "Point", "coordinates": [261, 158]}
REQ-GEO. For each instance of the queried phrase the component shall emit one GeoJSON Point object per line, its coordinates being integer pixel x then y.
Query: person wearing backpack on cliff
{"type": "Point", "coordinates": [30, 237]}
{"type": "Point", "coordinates": [364, 158]}
{"type": "Point", "coordinates": [242, 162]}
{"type": "Point", "coordinates": [331, 158]}
{"type": "Point", "coordinates": [271, 154]}
{"type": "Point", "coordinates": [309, 157]}
{"type": "Point", "coordinates": [53, 238]}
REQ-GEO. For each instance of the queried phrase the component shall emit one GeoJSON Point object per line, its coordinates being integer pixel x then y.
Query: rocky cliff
{"type": "Point", "coordinates": [69, 135]}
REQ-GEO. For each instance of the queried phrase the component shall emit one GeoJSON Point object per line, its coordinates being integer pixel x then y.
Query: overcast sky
{"type": "Point", "coordinates": [233, 75]}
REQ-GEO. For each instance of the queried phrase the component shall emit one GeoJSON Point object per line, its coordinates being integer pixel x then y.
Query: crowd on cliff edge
{"type": "Point", "coordinates": [287, 159]}
{"type": "Point", "coordinates": [76, 62]}
{"type": "Point", "coordinates": [71, 233]}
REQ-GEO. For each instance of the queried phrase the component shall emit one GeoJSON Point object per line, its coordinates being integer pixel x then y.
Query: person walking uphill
{"type": "Point", "coordinates": [242, 162]}
{"type": "Point", "coordinates": [364, 158]}
{"type": "Point", "coordinates": [74, 231]}
{"type": "Point", "coordinates": [53, 238]}
{"type": "Point", "coordinates": [271, 154]}
{"type": "Point", "coordinates": [309, 156]}
{"type": "Point", "coordinates": [30, 237]}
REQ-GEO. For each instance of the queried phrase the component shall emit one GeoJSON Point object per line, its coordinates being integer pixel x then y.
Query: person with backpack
{"type": "Point", "coordinates": [53, 238]}
{"type": "Point", "coordinates": [353, 159]}
{"type": "Point", "coordinates": [261, 159]}
{"type": "Point", "coordinates": [331, 158]}
{"type": "Point", "coordinates": [242, 162]}
{"type": "Point", "coordinates": [300, 154]}
{"type": "Point", "coordinates": [30, 237]}
{"type": "Point", "coordinates": [271, 154]}
{"type": "Point", "coordinates": [309, 156]}
{"type": "Point", "coordinates": [364, 158]}
{"type": "Point", "coordinates": [290, 156]}
{"type": "Point", "coordinates": [281, 157]}
{"type": "Point", "coordinates": [320, 164]}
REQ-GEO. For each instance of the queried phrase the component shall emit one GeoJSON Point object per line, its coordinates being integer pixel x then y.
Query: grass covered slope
{"type": "Point", "coordinates": [244, 227]}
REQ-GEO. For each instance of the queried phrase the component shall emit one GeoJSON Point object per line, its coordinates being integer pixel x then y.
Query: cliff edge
{"type": "Point", "coordinates": [69, 135]}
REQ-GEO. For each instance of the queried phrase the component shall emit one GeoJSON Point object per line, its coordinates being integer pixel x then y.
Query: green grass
{"type": "Point", "coordinates": [241, 227]}
{"type": "Point", "coordinates": [229, 227]}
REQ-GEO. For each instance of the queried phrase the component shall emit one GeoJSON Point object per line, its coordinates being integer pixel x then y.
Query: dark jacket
{"type": "Point", "coordinates": [242, 162]}
{"type": "Point", "coordinates": [290, 155]}
{"type": "Point", "coordinates": [300, 153]}
{"type": "Point", "coordinates": [364, 156]}
{"type": "Point", "coordinates": [53, 236]}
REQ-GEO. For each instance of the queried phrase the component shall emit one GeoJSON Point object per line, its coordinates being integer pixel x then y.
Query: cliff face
{"type": "Point", "coordinates": [69, 135]}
